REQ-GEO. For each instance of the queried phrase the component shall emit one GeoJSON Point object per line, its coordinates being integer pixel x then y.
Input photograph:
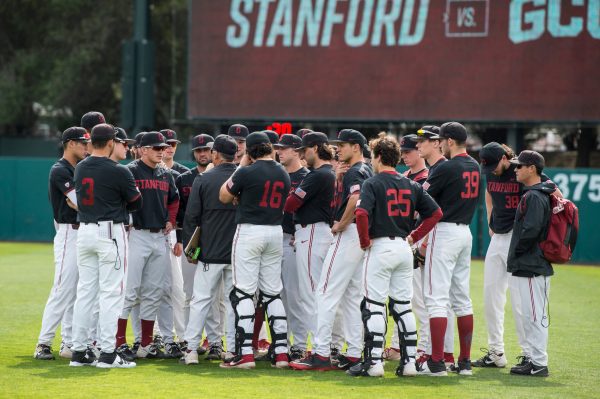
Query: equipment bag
{"type": "Point", "coordinates": [563, 227]}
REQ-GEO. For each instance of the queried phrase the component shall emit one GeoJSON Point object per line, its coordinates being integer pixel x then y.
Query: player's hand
{"type": "Point", "coordinates": [245, 161]}
{"type": "Point", "coordinates": [71, 205]}
{"type": "Point", "coordinates": [490, 232]}
{"type": "Point", "coordinates": [341, 169]}
{"type": "Point", "coordinates": [292, 241]}
{"type": "Point", "coordinates": [337, 228]}
{"type": "Point", "coordinates": [409, 240]}
{"type": "Point", "coordinates": [168, 228]}
{"type": "Point", "coordinates": [365, 246]}
{"type": "Point", "coordinates": [178, 249]}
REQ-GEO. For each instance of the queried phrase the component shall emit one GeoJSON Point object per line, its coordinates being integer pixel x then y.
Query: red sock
{"type": "Point", "coordinates": [147, 332]}
{"type": "Point", "coordinates": [121, 332]}
{"type": "Point", "coordinates": [465, 335]}
{"type": "Point", "coordinates": [259, 318]}
{"type": "Point", "coordinates": [438, 331]}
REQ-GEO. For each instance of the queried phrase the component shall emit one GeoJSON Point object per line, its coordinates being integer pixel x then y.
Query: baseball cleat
{"type": "Point", "coordinates": [43, 352]}
{"type": "Point", "coordinates": [240, 362]}
{"type": "Point", "coordinates": [65, 351]}
{"type": "Point", "coordinates": [215, 352]}
{"type": "Point", "coordinates": [372, 370]}
{"type": "Point", "coordinates": [334, 354]}
{"type": "Point", "coordinates": [449, 361]}
{"type": "Point", "coordinates": [262, 348]}
{"type": "Point", "coordinates": [158, 341]}
{"type": "Point", "coordinates": [113, 361]}
{"type": "Point", "coordinates": [96, 350]}
{"type": "Point", "coordinates": [125, 353]}
{"type": "Point", "coordinates": [281, 361]}
{"type": "Point", "coordinates": [83, 358]}
{"type": "Point", "coordinates": [491, 359]}
{"type": "Point", "coordinates": [407, 370]}
{"type": "Point", "coordinates": [183, 346]}
{"type": "Point", "coordinates": [202, 349]}
{"type": "Point", "coordinates": [522, 360]}
{"type": "Point", "coordinates": [172, 351]}
{"type": "Point", "coordinates": [463, 367]}
{"type": "Point", "coordinates": [346, 362]}
{"type": "Point", "coordinates": [227, 356]}
{"type": "Point", "coordinates": [136, 345]}
{"type": "Point", "coordinates": [190, 357]}
{"type": "Point", "coordinates": [391, 354]}
{"type": "Point", "coordinates": [296, 353]}
{"type": "Point", "coordinates": [313, 362]}
{"type": "Point", "coordinates": [150, 351]}
{"type": "Point", "coordinates": [432, 368]}
{"type": "Point", "coordinates": [530, 369]}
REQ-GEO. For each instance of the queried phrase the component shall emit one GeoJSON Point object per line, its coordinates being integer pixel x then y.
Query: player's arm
{"type": "Point", "coordinates": [172, 205]}
{"type": "Point", "coordinates": [129, 191]}
{"type": "Point", "coordinates": [364, 207]}
{"type": "Point", "coordinates": [63, 181]}
{"type": "Point", "coordinates": [193, 211]}
{"type": "Point", "coordinates": [533, 223]}
{"type": "Point", "coordinates": [232, 187]}
{"type": "Point", "coordinates": [429, 211]}
{"type": "Point", "coordinates": [489, 206]}
{"type": "Point", "coordinates": [307, 189]}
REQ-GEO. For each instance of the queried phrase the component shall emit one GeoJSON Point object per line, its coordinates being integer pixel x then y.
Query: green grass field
{"type": "Point", "coordinates": [27, 275]}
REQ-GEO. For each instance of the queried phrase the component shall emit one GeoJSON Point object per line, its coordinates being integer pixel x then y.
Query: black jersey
{"type": "Point", "coordinates": [419, 177]}
{"type": "Point", "coordinates": [295, 179]}
{"type": "Point", "coordinates": [454, 185]}
{"type": "Point", "coordinates": [60, 183]}
{"type": "Point", "coordinates": [261, 188]}
{"type": "Point", "coordinates": [103, 188]}
{"type": "Point", "coordinates": [157, 186]}
{"type": "Point", "coordinates": [317, 194]}
{"type": "Point", "coordinates": [391, 201]}
{"type": "Point", "coordinates": [179, 168]}
{"type": "Point", "coordinates": [184, 183]}
{"type": "Point", "coordinates": [435, 165]}
{"type": "Point", "coordinates": [506, 193]}
{"type": "Point", "coordinates": [351, 184]}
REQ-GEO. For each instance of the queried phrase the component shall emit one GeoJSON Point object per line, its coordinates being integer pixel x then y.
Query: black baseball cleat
{"type": "Point", "coordinates": [172, 351]}
{"type": "Point", "coordinates": [490, 359]}
{"type": "Point", "coordinates": [113, 360]}
{"type": "Point", "coordinates": [463, 367]}
{"type": "Point", "coordinates": [125, 353]}
{"type": "Point", "coordinates": [334, 354]}
{"type": "Point", "coordinates": [530, 369]}
{"type": "Point", "coordinates": [362, 369]}
{"type": "Point", "coordinates": [296, 353]}
{"type": "Point", "coordinates": [83, 358]}
{"type": "Point", "coordinates": [43, 352]}
{"type": "Point", "coordinates": [158, 341]}
{"type": "Point", "coordinates": [136, 345]}
{"type": "Point", "coordinates": [214, 352]}
{"type": "Point", "coordinates": [183, 346]}
{"type": "Point", "coordinates": [346, 362]}
{"type": "Point", "coordinates": [313, 362]}
{"type": "Point", "coordinates": [433, 368]}
{"type": "Point", "coordinates": [522, 360]}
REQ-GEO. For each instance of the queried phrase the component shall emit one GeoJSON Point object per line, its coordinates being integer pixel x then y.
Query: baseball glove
{"type": "Point", "coordinates": [418, 259]}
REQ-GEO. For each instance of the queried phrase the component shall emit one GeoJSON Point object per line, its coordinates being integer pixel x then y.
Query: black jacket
{"type": "Point", "coordinates": [216, 220]}
{"type": "Point", "coordinates": [525, 257]}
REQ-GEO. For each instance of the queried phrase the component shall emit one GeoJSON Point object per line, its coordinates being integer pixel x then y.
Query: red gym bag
{"type": "Point", "coordinates": [563, 227]}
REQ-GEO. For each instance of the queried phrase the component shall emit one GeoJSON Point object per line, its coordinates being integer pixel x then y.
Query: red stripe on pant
{"type": "Point", "coordinates": [431, 258]}
{"type": "Point", "coordinates": [310, 241]}
{"type": "Point", "coordinates": [532, 300]}
{"type": "Point", "coordinates": [331, 262]}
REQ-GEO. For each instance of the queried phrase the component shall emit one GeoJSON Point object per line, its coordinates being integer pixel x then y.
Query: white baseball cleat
{"type": "Point", "coordinates": [409, 369]}
{"type": "Point", "coordinates": [65, 351]}
{"type": "Point", "coordinates": [190, 357]}
{"type": "Point", "coordinates": [113, 361]}
{"type": "Point", "coordinates": [374, 370]}
{"type": "Point", "coordinates": [491, 359]}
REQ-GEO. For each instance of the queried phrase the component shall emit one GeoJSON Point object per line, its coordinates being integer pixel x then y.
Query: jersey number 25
{"type": "Point", "coordinates": [396, 200]}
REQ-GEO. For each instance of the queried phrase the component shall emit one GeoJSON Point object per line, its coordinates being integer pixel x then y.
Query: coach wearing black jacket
{"type": "Point", "coordinates": [527, 263]}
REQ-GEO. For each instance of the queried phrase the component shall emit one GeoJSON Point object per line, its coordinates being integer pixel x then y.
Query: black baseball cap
{"type": "Point", "coordinates": [138, 139]}
{"type": "Point", "coordinates": [202, 141]}
{"type": "Point", "coordinates": [225, 144]}
{"type": "Point", "coordinates": [350, 136]}
{"type": "Point", "coordinates": [289, 141]}
{"type": "Point", "coordinates": [238, 132]}
{"type": "Point", "coordinates": [273, 137]}
{"type": "Point", "coordinates": [91, 119]}
{"type": "Point", "coordinates": [256, 138]}
{"type": "Point", "coordinates": [121, 136]}
{"type": "Point", "coordinates": [428, 132]}
{"type": "Point", "coordinates": [75, 133]}
{"type": "Point", "coordinates": [303, 132]}
{"type": "Point", "coordinates": [103, 131]}
{"type": "Point", "coordinates": [170, 136]}
{"type": "Point", "coordinates": [153, 139]}
{"type": "Point", "coordinates": [454, 131]}
{"type": "Point", "coordinates": [490, 155]}
{"type": "Point", "coordinates": [312, 139]}
{"type": "Point", "coordinates": [408, 142]}
{"type": "Point", "coordinates": [529, 158]}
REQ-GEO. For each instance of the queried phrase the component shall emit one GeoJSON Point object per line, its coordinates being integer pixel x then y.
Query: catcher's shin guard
{"type": "Point", "coordinates": [275, 311]}
{"type": "Point", "coordinates": [375, 325]}
{"type": "Point", "coordinates": [243, 308]}
{"type": "Point", "coordinates": [402, 313]}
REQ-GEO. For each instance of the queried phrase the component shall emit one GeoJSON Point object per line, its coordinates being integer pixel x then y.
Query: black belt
{"type": "Point", "coordinates": [75, 226]}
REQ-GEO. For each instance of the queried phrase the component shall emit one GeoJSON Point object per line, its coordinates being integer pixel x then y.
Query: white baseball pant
{"type": "Point", "coordinates": [534, 295]}
{"type": "Point", "coordinates": [170, 311]}
{"type": "Point", "coordinates": [290, 294]}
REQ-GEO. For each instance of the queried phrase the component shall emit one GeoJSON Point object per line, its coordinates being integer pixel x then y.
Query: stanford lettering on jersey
{"type": "Point", "coordinates": [147, 184]}
{"type": "Point", "coordinates": [503, 187]}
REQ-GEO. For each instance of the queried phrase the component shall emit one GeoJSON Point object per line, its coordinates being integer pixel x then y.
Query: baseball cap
{"type": "Point", "coordinates": [490, 155]}
{"type": "Point", "coordinates": [256, 138]}
{"type": "Point", "coordinates": [103, 131]}
{"type": "Point", "coordinates": [289, 140]}
{"type": "Point", "coordinates": [138, 139]}
{"type": "Point", "coordinates": [238, 132]}
{"type": "Point", "coordinates": [351, 136]}
{"type": "Point", "coordinates": [153, 139]}
{"type": "Point", "coordinates": [170, 136]}
{"type": "Point", "coordinates": [273, 137]}
{"type": "Point", "coordinates": [91, 119]}
{"type": "Point", "coordinates": [428, 132]}
{"type": "Point", "coordinates": [529, 158]}
{"type": "Point", "coordinates": [225, 144]}
{"type": "Point", "coordinates": [302, 132]}
{"type": "Point", "coordinates": [366, 152]}
{"type": "Point", "coordinates": [408, 142]}
{"type": "Point", "coordinates": [454, 131]}
{"type": "Point", "coordinates": [202, 141]}
{"type": "Point", "coordinates": [75, 133]}
{"type": "Point", "coordinates": [312, 139]}
{"type": "Point", "coordinates": [121, 136]}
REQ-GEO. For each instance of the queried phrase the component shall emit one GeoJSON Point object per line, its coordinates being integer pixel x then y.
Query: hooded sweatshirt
{"type": "Point", "coordinates": [525, 258]}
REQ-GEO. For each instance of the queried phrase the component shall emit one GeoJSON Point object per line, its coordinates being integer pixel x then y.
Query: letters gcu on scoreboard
{"type": "Point", "coordinates": [480, 60]}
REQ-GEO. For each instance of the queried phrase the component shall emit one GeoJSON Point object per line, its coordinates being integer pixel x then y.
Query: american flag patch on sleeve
{"type": "Point", "coordinates": [229, 183]}
{"type": "Point", "coordinates": [354, 188]}
{"type": "Point", "coordinates": [357, 203]}
{"type": "Point", "coordinates": [426, 185]}
{"type": "Point", "coordinates": [300, 193]}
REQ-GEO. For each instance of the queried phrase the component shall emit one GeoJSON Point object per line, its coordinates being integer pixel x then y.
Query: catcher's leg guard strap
{"type": "Point", "coordinates": [374, 321]}
{"type": "Point", "coordinates": [243, 308]}
{"type": "Point", "coordinates": [402, 313]}
{"type": "Point", "coordinates": [277, 321]}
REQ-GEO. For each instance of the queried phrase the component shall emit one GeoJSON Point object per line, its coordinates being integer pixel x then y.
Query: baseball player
{"type": "Point", "coordinates": [527, 264]}
{"type": "Point", "coordinates": [213, 272]}
{"type": "Point", "coordinates": [274, 139]}
{"type": "Point", "coordinates": [454, 185]}
{"type": "Point", "coordinates": [136, 151]}
{"type": "Point", "coordinates": [311, 205]}
{"type": "Point", "coordinates": [168, 159]}
{"type": "Point", "coordinates": [104, 191]}
{"type": "Point", "coordinates": [122, 143]}
{"type": "Point", "coordinates": [341, 277]}
{"type": "Point", "coordinates": [88, 121]}
{"type": "Point", "coordinates": [385, 222]}
{"type": "Point", "coordinates": [239, 133]}
{"type": "Point", "coordinates": [148, 240]}
{"type": "Point", "coordinates": [64, 288]}
{"type": "Point", "coordinates": [257, 248]}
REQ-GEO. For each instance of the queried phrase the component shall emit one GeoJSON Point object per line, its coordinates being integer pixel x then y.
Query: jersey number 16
{"type": "Point", "coordinates": [275, 197]}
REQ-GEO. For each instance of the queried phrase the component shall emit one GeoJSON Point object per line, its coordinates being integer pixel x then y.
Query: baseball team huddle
{"type": "Point", "coordinates": [297, 247]}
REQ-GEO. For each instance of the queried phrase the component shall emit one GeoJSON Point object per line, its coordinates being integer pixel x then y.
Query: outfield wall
{"type": "Point", "coordinates": [24, 195]}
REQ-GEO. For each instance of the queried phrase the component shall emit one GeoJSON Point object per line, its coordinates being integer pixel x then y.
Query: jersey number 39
{"type": "Point", "coordinates": [471, 180]}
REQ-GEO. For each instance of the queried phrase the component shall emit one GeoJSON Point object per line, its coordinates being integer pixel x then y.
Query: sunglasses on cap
{"type": "Point", "coordinates": [157, 148]}
{"type": "Point", "coordinates": [172, 144]}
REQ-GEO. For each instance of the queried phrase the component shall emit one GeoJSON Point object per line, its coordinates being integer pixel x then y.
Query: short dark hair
{"type": "Point", "coordinates": [100, 144]}
{"type": "Point", "coordinates": [259, 150]}
{"type": "Point", "coordinates": [226, 157]}
{"type": "Point", "coordinates": [325, 152]}
{"type": "Point", "coordinates": [510, 154]}
{"type": "Point", "coordinates": [538, 170]}
{"type": "Point", "coordinates": [388, 148]}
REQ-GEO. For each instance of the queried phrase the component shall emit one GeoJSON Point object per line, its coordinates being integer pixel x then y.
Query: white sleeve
{"type": "Point", "coordinates": [72, 196]}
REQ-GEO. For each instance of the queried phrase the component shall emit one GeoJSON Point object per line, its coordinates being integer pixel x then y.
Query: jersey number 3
{"type": "Point", "coordinates": [276, 196]}
{"type": "Point", "coordinates": [88, 186]}
{"type": "Point", "coordinates": [396, 200]}
{"type": "Point", "coordinates": [471, 180]}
